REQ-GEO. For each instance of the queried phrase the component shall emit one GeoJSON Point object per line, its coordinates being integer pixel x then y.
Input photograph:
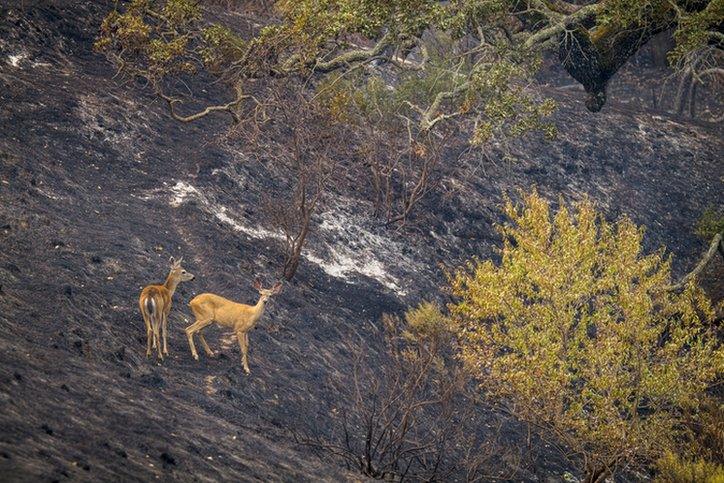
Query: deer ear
{"type": "Point", "coordinates": [172, 261]}
{"type": "Point", "coordinates": [256, 284]}
{"type": "Point", "coordinates": [178, 262]}
{"type": "Point", "coordinates": [277, 287]}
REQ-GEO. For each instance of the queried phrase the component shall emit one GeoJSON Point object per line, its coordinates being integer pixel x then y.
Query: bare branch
{"type": "Point", "coordinates": [716, 243]}
{"type": "Point", "coordinates": [228, 107]}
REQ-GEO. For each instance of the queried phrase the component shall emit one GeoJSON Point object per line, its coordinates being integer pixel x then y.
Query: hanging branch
{"type": "Point", "coordinates": [229, 107]}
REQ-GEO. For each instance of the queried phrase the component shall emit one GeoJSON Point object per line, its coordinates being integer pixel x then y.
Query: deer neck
{"type": "Point", "coordinates": [171, 284]}
{"type": "Point", "coordinates": [259, 309]}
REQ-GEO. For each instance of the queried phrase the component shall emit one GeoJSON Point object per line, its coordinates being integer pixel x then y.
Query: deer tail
{"type": "Point", "coordinates": [152, 306]}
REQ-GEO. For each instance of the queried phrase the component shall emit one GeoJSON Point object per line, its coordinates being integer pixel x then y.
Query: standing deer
{"type": "Point", "coordinates": [155, 303]}
{"type": "Point", "coordinates": [209, 308]}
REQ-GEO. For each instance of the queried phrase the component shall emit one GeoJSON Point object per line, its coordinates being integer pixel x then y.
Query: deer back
{"type": "Point", "coordinates": [225, 312]}
{"type": "Point", "coordinates": [159, 293]}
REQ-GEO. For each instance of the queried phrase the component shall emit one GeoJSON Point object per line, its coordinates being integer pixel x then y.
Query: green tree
{"type": "Point", "coordinates": [672, 469]}
{"type": "Point", "coordinates": [478, 56]}
{"type": "Point", "coordinates": [572, 332]}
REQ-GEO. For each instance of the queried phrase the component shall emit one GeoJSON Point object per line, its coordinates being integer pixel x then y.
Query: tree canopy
{"type": "Point", "coordinates": [574, 332]}
{"type": "Point", "coordinates": [471, 59]}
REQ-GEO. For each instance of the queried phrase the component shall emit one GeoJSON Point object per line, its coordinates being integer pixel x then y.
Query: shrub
{"type": "Point", "coordinates": [404, 413]}
{"type": "Point", "coordinates": [572, 332]}
{"type": "Point", "coordinates": [710, 224]}
{"type": "Point", "coordinates": [398, 419]}
{"type": "Point", "coordinates": [672, 469]}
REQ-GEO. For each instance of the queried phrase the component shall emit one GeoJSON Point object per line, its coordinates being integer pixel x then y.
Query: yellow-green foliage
{"type": "Point", "coordinates": [710, 224]}
{"type": "Point", "coordinates": [672, 469]}
{"type": "Point", "coordinates": [695, 29]}
{"type": "Point", "coordinates": [155, 39]}
{"type": "Point", "coordinates": [222, 46]}
{"type": "Point", "coordinates": [572, 331]}
{"type": "Point", "coordinates": [495, 92]}
{"type": "Point", "coordinates": [631, 12]}
{"type": "Point", "coordinates": [426, 323]}
{"type": "Point", "coordinates": [428, 333]}
{"type": "Point", "coordinates": [320, 20]}
{"type": "Point", "coordinates": [509, 109]}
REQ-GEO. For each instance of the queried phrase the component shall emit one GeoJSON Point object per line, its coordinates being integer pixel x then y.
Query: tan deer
{"type": "Point", "coordinates": [209, 308]}
{"type": "Point", "coordinates": [155, 304]}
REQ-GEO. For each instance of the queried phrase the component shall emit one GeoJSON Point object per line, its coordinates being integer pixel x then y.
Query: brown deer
{"type": "Point", "coordinates": [155, 304]}
{"type": "Point", "coordinates": [209, 308]}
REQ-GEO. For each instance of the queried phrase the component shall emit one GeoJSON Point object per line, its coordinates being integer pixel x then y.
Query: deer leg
{"type": "Point", "coordinates": [164, 329]}
{"type": "Point", "coordinates": [192, 329]}
{"type": "Point", "coordinates": [208, 351]}
{"type": "Point", "coordinates": [149, 341]}
{"type": "Point", "coordinates": [157, 339]}
{"type": "Point", "coordinates": [244, 347]}
{"type": "Point", "coordinates": [149, 333]}
{"type": "Point", "coordinates": [153, 339]}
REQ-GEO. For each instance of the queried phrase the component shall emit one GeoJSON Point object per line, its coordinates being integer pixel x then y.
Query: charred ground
{"type": "Point", "coordinates": [99, 187]}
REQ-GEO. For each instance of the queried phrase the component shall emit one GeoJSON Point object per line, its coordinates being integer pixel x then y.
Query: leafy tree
{"type": "Point", "coordinates": [673, 469]}
{"type": "Point", "coordinates": [573, 332]}
{"type": "Point", "coordinates": [476, 56]}
{"type": "Point", "coordinates": [408, 75]}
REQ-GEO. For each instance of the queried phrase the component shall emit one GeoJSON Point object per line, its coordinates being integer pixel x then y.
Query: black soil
{"type": "Point", "coordinates": [98, 187]}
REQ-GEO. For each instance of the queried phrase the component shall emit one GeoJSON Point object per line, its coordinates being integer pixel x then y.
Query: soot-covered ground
{"type": "Point", "coordinates": [98, 187]}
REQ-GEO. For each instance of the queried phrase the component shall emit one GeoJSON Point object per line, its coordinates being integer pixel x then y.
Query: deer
{"type": "Point", "coordinates": [241, 318]}
{"type": "Point", "coordinates": [155, 304]}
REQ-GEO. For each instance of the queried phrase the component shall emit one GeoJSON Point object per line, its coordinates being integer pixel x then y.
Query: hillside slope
{"type": "Point", "coordinates": [98, 187]}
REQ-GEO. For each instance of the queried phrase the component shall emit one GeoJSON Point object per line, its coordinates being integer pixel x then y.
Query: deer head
{"type": "Point", "coordinates": [178, 272]}
{"type": "Point", "coordinates": [266, 293]}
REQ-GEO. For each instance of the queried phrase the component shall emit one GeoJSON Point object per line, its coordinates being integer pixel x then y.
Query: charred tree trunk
{"type": "Point", "coordinates": [593, 56]}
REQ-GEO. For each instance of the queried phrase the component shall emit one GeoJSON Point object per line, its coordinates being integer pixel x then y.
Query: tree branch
{"type": "Point", "coordinates": [229, 107]}
{"type": "Point", "coordinates": [428, 121]}
{"type": "Point", "coordinates": [716, 243]}
{"type": "Point", "coordinates": [354, 55]}
{"type": "Point", "coordinates": [580, 15]}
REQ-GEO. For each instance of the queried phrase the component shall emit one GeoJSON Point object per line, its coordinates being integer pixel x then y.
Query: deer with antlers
{"type": "Point", "coordinates": [209, 308]}
{"type": "Point", "coordinates": [155, 304]}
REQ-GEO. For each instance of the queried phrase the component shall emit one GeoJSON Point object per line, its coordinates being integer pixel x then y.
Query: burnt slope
{"type": "Point", "coordinates": [98, 187]}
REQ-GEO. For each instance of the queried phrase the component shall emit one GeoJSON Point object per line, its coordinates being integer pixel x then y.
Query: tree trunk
{"type": "Point", "coordinates": [592, 57]}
